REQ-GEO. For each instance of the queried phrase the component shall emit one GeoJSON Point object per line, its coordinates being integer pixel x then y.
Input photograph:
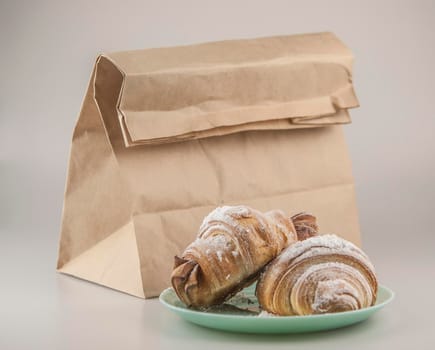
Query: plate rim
{"type": "Point", "coordinates": [391, 296]}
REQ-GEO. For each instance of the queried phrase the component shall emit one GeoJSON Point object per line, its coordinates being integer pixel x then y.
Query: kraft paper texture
{"type": "Point", "coordinates": [166, 135]}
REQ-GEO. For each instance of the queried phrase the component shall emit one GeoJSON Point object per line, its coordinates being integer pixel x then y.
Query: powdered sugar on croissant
{"type": "Point", "coordinates": [318, 275]}
{"type": "Point", "coordinates": [234, 243]}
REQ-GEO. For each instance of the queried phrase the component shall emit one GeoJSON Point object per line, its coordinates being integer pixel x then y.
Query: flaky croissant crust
{"type": "Point", "coordinates": [233, 245]}
{"type": "Point", "coordinates": [318, 275]}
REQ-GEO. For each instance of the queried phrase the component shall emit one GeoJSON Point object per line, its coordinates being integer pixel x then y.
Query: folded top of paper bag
{"type": "Point", "coordinates": [185, 92]}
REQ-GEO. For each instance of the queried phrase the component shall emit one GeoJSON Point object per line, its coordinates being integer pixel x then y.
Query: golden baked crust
{"type": "Point", "coordinates": [318, 275]}
{"type": "Point", "coordinates": [233, 245]}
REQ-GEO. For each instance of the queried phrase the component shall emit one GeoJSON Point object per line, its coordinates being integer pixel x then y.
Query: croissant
{"type": "Point", "coordinates": [321, 274]}
{"type": "Point", "coordinates": [234, 243]}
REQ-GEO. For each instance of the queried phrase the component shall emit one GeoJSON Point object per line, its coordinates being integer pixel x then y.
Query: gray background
{"type": "Point", "coordinates": [46, 55]}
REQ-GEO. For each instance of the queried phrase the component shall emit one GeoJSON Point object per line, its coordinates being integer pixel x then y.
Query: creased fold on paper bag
{"type": "Point", "coordinates": [166, 135]}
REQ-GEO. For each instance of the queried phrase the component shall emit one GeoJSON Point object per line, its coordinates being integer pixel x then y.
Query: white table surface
{"type": "Point", "coordinates": [41, 309]}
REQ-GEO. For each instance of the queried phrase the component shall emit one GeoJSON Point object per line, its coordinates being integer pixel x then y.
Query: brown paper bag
{"type": "Point", "coordinates": [166, 135]}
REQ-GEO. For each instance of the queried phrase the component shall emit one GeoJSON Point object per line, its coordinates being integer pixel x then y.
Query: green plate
{"type": "Point", "coordinates": [242, 314]}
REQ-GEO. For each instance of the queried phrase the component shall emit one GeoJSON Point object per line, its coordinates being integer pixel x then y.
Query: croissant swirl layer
{"type": "Point", "coordinates": [318, 275]}
{"type": "Point", "coordinates": [233, 245]}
